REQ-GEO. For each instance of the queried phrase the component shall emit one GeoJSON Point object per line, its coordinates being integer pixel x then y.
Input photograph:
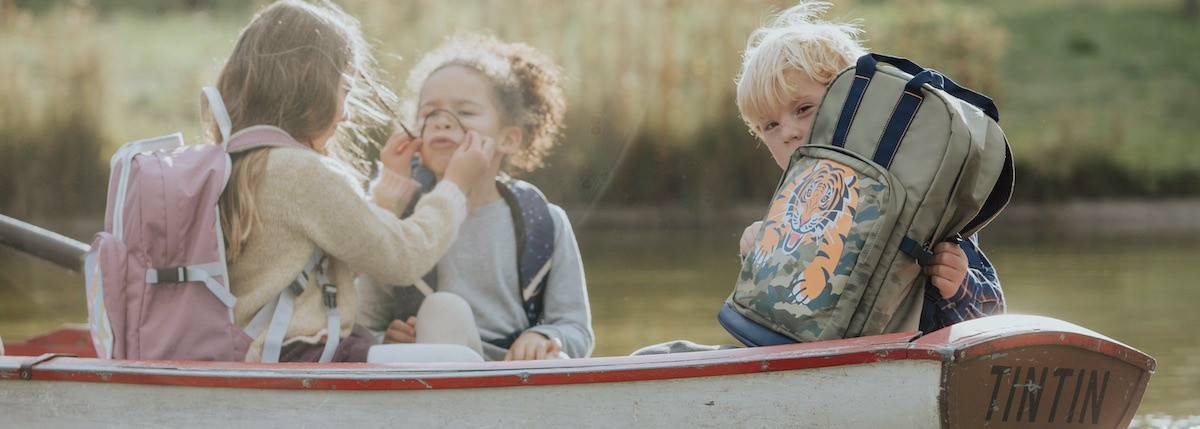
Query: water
{"type": "Point", "coordinates": [650, 287]}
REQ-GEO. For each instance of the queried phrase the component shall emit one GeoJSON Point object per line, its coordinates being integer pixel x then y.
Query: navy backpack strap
{"type": "Point", "coordinates": [918, 251]}
{"type": "Point", "coordinates": [863, 72]}
{"type": "Point", "coordinates": [424, 176]}
{"type": "Point", "coordinates": [409, 298]}
{"type": "Point", "coordinates": [910, 100]}
{"type": "Point", "coordinates": [981, 101]}
{"type": "Point", "coordinates": [903, 114]}
{"type": "Point", "coordinates": [507, 341]}
{"type": "Point", "coordinates": [534, 230]}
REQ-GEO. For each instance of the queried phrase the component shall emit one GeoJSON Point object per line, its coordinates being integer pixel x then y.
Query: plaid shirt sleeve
{"type": "Point", "coordinates": [980, 293]}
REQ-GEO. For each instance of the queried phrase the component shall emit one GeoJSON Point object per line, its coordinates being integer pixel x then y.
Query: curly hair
{"type": "Point", "coordinates": [527, 84]}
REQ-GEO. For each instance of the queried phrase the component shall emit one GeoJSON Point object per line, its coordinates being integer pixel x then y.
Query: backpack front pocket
{"type": "Point", "coordinates": [105, 278]}
{"type": "Point", "coordinates": [818, 244]}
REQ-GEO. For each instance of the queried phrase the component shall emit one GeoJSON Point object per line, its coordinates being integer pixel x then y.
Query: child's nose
{"type": "Point", "coordinates": [438, 120]}
{"type": "Point", "coordinates": [794, 134]}
{"type": "Point", "coordinates": [444, 122]}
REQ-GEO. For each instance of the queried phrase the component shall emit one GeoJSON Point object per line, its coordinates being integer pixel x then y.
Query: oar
{"type": "Point", "coordinates": [42, 243]}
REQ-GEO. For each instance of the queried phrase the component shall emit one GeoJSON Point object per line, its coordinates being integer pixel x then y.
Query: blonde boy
{"type": "Point", "coordinates": [785, 69]}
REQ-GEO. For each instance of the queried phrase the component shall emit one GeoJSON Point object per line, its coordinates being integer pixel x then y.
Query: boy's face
{"type": "Point", "coordinates": [788, 129]}
{"type": "Point", "coordinates": [466, 94]}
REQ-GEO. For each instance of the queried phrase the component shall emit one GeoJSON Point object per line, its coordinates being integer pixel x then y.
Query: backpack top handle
{"type": "Point", "coordinates": [866, 66]}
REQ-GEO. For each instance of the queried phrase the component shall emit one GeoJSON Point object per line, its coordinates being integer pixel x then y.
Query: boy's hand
{"type": "Point", "coordinates": [532, 345]}
{"type": "Point", "coordinates": [401, 331]}
{"type": "Point", "coordinates": [470, 160]}
{"type": "Point", "coordinates": [398, 153]}
{"type": "Point", "coordinates": [748, 238]}
{"type": "Point", "coordinates": [947, 269]}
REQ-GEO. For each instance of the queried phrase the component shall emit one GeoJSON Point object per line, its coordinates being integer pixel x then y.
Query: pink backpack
{"type": "Point", "coordinates": [157, 283]}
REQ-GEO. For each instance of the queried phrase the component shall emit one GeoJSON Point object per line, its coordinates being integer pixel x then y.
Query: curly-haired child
{"type": "Point", "coordinates": [475, 86]}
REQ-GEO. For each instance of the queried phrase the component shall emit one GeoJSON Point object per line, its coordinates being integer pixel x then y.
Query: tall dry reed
{"type": "Point", "coordinates": [651, 117]}
{"type": "Point", "coordinates": [51, 120]}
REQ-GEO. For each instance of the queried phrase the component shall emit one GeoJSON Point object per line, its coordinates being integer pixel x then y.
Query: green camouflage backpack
{"type": "Point", "coordinates": [898, 159]}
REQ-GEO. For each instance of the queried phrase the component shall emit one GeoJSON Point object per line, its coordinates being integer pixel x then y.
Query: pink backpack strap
{"type": "Point", "coordinates": [261, 136]}
{"type": "Point", "coordinates": [247, 138]}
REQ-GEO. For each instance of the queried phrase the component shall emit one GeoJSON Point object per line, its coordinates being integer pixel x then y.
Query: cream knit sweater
{"type": "Point", "coordinates": [306, 200]}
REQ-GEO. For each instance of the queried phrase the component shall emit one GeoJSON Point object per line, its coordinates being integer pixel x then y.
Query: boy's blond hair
{"type": "Point", "coordinates": [796, 40]}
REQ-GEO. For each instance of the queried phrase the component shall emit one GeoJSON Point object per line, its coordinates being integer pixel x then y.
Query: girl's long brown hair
{"type": "Point", "coordinates": [286, 70]}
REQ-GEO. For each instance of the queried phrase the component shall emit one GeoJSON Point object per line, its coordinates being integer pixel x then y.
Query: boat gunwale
{"type": "Point", "coordinates": [961, 342]}
{"type": "Point", "coordinates": [371, 376]}
{"type": "Point", "coordinates": [980, 337]}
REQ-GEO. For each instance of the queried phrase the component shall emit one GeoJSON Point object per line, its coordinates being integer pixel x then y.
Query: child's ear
{"type": "Point", "coordinates": [510, 140]}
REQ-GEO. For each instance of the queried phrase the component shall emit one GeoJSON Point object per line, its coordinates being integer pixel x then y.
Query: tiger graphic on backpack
{"type": "Point", "coordinates": [815, 210]}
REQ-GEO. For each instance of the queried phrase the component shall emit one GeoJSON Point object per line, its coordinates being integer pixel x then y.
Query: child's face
{"type": "Point", "coordinates": [788, 129]}
{"type": "Point", "coordinates": [468, 95]}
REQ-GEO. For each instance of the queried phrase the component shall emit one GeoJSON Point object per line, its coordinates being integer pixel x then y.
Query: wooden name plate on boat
{"type": "Point", "coordinates": [1028, 371]}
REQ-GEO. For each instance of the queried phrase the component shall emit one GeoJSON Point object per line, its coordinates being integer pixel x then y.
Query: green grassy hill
{"type": "Point", "coordinates": [1103, 97]}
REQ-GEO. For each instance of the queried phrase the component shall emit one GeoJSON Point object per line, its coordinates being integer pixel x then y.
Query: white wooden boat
{"type": "Point", "coordinates": [1002, 371]}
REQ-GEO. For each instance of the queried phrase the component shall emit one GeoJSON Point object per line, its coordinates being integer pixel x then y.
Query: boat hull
{"type": "Point", "coordinates": [1020, 371]}
{"type": "Point", "coordinates": [900, 394]}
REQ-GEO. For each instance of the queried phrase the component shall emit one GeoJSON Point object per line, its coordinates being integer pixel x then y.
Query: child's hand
{"type": "Point", "coordinates": [401, 331]}
{"type": "Point", "coordinates": [748, 238]}
{"type": "Point", "coordinates": [398, 153]}
{"type": "Point", "coordinates": [948, 268]}
{"type": "Point", "coordinates": [532, 345]}
{"type": "Point", "coordinates": [470, 161]}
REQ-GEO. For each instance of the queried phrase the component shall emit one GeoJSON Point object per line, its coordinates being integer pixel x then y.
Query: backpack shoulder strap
{"type": "Point", "coordinates": [211, 98]}
{"type": "Point", "coordinates": [534, 230]}
{"type": "Point", "coordinates": [260, 136]}
{"type": "Point", "coordinates": [275, 317]}
{"type": "Point", "coordinates": [248, 138]}
{"type": "Point", "coordinates": [425, 177]}
{"type": "Point", "coordinates": [410, 297]}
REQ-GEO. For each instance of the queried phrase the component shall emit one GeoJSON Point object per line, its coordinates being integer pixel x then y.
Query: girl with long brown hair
{"type": "Point", "coordinates": [307, 70]}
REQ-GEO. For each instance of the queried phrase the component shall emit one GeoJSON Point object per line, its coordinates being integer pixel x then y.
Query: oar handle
{"type": "Point", "coordinates": [42, 243]}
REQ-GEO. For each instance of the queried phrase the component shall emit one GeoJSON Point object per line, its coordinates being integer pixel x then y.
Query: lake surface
{"type": "Point", "coordinates": [648, 287]}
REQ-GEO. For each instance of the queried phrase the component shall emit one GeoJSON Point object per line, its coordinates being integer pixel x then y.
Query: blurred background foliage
{"type": "Point", "coordinates": [1097, 97]}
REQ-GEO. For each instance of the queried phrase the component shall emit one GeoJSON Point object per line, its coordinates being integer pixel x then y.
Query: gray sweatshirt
{"type": "Point", "coordinates": [481, 267]}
